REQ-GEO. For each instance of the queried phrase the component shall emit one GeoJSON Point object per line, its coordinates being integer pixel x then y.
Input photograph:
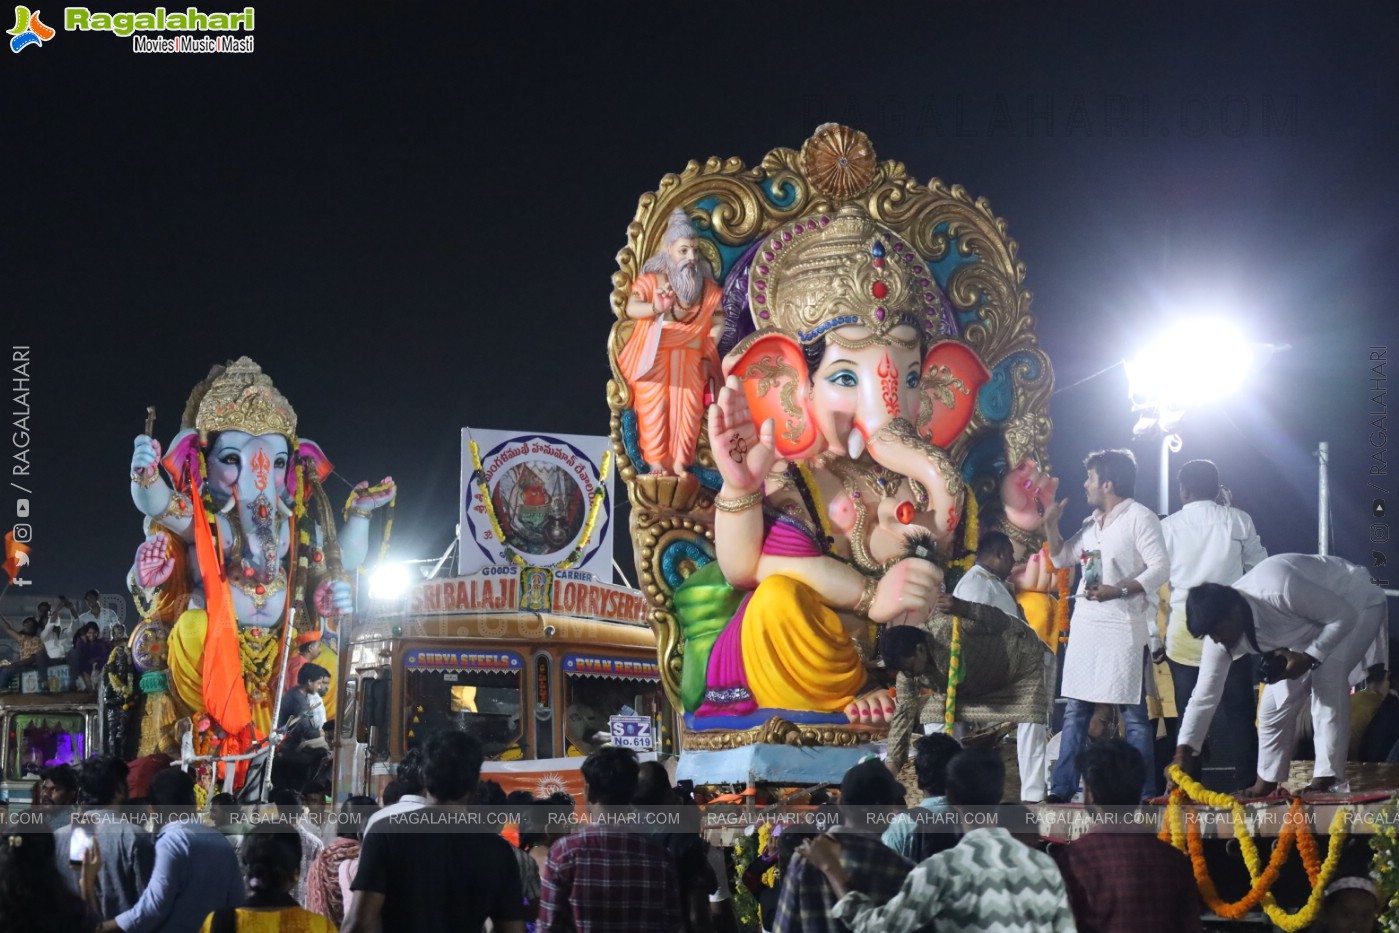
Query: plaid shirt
{"type": "Point", "coordinates": [806, 901]}
{"type": "Point", "coordinates": [1129, 881]}
{"type": "Point", "coordinates": [600, 880]}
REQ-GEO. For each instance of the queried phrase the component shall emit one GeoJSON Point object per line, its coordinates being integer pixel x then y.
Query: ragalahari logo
{"type": "Point", "coordinates": [16, 557]}
{"type": "Point", "coordinates": [29, 30]}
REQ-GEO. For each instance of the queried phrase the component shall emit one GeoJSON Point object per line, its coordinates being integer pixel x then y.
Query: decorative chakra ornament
{"type": "Point", "coordinates": [148, 648]}
{"type": "Point", "coordinates": [839, 161]}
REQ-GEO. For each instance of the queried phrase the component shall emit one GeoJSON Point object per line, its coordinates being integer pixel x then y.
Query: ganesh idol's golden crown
{"type": "Point", "coordinates": [836, 269]}
{"type": "Point", "coordinates": [242, 398]}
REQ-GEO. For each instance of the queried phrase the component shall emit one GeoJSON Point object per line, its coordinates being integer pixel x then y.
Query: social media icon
{"type": "Point", "coordinates": [21, 508]}
{"type": "Point", "coordinates": [23, 532]}
{"type": "Point", "coordinates": [1377, 558]}
{"type": "Point", "coordinates": [1377, 508]}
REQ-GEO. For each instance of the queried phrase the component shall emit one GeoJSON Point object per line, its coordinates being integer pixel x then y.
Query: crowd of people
{"type": "Point", "coordinates": [81, 640]}
{"type": "Point", "coordinates": [1184, 615]}
{"type": "Point", "coordinates": [1195, 592]}
{"type": "Point", "coordinates": [405, 862]}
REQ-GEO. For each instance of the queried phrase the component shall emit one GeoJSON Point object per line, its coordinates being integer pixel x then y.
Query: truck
{"type": "Point", "coordinates": [40, 730]}
{"type": "Point", "coordinates": [543, 666]}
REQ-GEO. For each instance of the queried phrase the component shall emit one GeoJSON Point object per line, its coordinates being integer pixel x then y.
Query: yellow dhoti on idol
{"type": "Point", "coordinates": [258, 657]}
{"type": "Point", "coordinates": [782, 649]}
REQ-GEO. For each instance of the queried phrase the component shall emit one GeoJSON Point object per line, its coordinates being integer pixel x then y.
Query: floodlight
{"type": "Point", "coordinates": [1194, 363]}
{"type": "Point", "coordinates": [389, 582]}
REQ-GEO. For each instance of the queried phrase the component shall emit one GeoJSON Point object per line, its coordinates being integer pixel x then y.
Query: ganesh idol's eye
{"type": "Point", "coordinates": [843, 378]}
{"type": "Point", "coordinates": [230, 458]}
{"type": "Point", "coordinates": [280, 463]}
{"type": "Point", "coordinates": [912, 380]}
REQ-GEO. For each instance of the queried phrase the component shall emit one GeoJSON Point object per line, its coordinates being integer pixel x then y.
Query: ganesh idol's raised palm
{"type": "Point", "coordinates": [745, 453]}
{"type": "Point", "coordinates": [1027, 493]}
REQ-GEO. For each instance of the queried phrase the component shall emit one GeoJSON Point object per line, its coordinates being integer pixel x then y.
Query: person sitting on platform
{"type": "Point", "coordinates": [1314, 618]}
{"type": "Point", "coordinates": [32, 654]}
{"type": "Point", "coordinates": [300, 754]}
{"type": "Point", "coordinates": [87, 657]}
{"type": "Point", "coordinates": [806, 900]}
{"type": "Point", "coordinates": [1125, 881]}
{"type": "Point", "coordinates": [989, 880]}
{"type": "Point", "coordinates": [930, 759]}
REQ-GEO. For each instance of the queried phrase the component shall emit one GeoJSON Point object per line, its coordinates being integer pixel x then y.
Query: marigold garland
{"type": "Point", "coordinates": [599, 494]}
{"type": "Point", "coordinates": [499, 532]}
{"type": "Point", "coordinates": [954, 675]}
{"type": "Point", "coordinates": [1385, 844]}
{"type": "Point", "coordinates": [1295, 831]}
{"type": "Point", "coordinates": [1062, 576]}
{"type": "Point", "coordinates": [355, 495]}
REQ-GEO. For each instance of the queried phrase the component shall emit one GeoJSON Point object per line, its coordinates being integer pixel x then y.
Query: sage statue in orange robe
{"type": "Point", "coordinates": [672, 355]}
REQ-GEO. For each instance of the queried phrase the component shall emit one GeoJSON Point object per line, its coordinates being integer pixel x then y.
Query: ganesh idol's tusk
{"type": "Point", "coordinates": [283, 508]}
{"type": "Point", "coordinates": [856, 443]}
{"type": "Point", "coordinates": [228, 506]}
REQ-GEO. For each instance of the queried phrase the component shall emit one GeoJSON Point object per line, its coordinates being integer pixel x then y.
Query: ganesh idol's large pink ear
{"type": "Point", "coordinates": [310, 453]}
{"type": "Point", "coordinates": [952, 375]}
{"type": "Point", "coordinates": [775, 382]}
{"type": "Point", "coordinates": [181, 460]}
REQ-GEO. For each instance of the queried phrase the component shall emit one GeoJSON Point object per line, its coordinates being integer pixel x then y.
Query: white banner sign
{"type": "Point", "coordinates": [541, 489]}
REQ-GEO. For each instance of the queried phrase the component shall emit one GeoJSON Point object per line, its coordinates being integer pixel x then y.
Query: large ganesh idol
{"type": "Point", "coordinates": [240, 540]}
{"type": "Point", "coordinates": [828, 386]}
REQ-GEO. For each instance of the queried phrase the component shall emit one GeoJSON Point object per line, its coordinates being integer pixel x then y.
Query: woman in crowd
{"type": "Point", "coordinates": [332, 871]}
{"type": "Point", "coordinates": [89, 655]}
{"type": "Point", "coordinates": [271, 856]}
{"type": "Point", "coordinates": [34, 897]}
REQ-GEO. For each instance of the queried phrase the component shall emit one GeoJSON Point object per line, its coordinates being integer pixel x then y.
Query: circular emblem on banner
{"type": "Point", "coordinates": [540, 488]}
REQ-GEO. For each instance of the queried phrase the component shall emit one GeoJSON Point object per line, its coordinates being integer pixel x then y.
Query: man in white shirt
{"type": "Point", "coordinates": [56, 629]}
{"type": "Point", "coordinates": [985, 582]}
{"type": "Point", "coordinates": [1316, 616]}
{"type": "Point", "coordinates": [96, 612]}
{"type": "Point", "coordinates": [1211, 543]}
{"type": "Point", "coordinates": [1115, 620]}
{"type": "Point", "coordinates": [410, 779]}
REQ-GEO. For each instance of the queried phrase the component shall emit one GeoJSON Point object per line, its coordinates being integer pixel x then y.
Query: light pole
{"type": "Point", "coordinates": [1196, 362]}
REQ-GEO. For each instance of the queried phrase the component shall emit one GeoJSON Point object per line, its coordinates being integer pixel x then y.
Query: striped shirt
{"type": "Point", "coordinates": [988, 883]}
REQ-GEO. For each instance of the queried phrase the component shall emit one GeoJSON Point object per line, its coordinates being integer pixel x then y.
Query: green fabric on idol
{"type": "Point", "coordinates": [704, 604]}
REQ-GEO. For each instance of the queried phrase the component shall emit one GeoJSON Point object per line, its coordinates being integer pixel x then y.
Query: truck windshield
{"type": "Point", "coordinates": [485, 704]}
{"type": "Point", "coordinates": [593, 701]}
{"type": "Point", "coordinates": [41, 740]}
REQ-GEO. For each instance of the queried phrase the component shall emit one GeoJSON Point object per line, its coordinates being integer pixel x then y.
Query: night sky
{"type": "Point", "coordinates": [408, 215]}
